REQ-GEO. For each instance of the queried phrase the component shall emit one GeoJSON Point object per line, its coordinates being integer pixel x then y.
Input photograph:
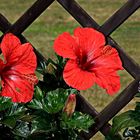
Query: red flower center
{"type": "Point", "coordinates": [84, 61]}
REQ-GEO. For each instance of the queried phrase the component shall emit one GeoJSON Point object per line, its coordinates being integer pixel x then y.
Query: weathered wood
{"type": "Point", "coordinates": [85, 107]}
{"type": "Point", "coordinates": [86, 21]}
{"type": "Point", "coordinates": [78, 13]}
{"type": "Point", "coordinates": [83, 104]}
{"type": "Point", "coordinates": [29, 16]}
{"type": "Point", "coordinates": [110, 110]}
{"type": "Point", "coordinates": [107, 28]}
{"type": "Point", "coordinates": [131, 66]}
{"type": "Point", "coordinates": [5, 26]}
{"type": "Point", "coordinates": [115, 106]}
{"type": "Point", "coordinates": [120, 16]}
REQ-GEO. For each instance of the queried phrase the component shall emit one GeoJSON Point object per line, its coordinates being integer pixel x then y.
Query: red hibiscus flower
{"type": "Point", "coordinates": [17, 69]}
{"type": "Point", "coordinates": [90, 61]}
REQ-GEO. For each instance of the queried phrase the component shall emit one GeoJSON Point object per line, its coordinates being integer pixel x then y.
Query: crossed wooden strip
{"type": "Point", "coordinates": [85, 20]}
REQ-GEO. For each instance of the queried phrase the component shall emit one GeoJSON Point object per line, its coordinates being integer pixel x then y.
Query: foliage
{"type": "Point", "coordinates": [43, 117]}
{"type": "Point", "coordinates": [127, 124]}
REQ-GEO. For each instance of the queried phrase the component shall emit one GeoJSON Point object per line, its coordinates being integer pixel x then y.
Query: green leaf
{"type": "Point", "coordinates": [55, 101]}
{"type": "Point", "coordinates": [35, 104]}
{"type": "Point", "coordinates": [43, 125]}
{"type": "Point", "coordinates": [137, 108]}
{"type": "Point", "coordinates": [5, 103]}
{"type": "Point", "coordinates": [138, 95]}
{"type": "Point", "coordinates": [125, 120]}
{"type": "Point", "coordinates": [22, 129]}
{"type": "Point", "coordinates": [27, 117]}
{"type": "Point", "coordinates": [52, 103]}
{"type": "Point", "coordinates": [71, 90]}
{"type": "Point", "coordinates": [9, 121]}
{"type": "Point", "coordinates": [15, 113]}
{"type": "Point", "coordinates": [38, 94]}
{"type": "Point", "coordinates": [78, 121]}
{"type": "Point", "coordinates": [16, 110]}
{"type": "Point", "coordinates": [60, 61]}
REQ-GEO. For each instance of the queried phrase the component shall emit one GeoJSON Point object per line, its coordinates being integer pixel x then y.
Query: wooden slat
{"type": "Point", "coordinates": [78, 13]}
{"type": "Point", "coordinates": [86, 21]}
{"type": "Point", "coordinates": [120, 16]}
{"type": "Point", "coordinates": [83, 104]}
{"type": "Point", "coordinates": [5, 26]}
{"type": "Point", "coordinates": [129, 64]}
{"type": "Point", "coordinates": [29, 16]}
{"type": "Point", "coordinates": [115, 106]}
{"type": "Point", "coordinates": [85, 107]}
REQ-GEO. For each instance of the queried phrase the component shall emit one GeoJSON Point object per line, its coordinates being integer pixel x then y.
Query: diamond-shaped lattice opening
{"type": "Point", "coordinates": [101, 10]}
{"type": "Point", "coordinates": [38, 22]}
{"type": "Point", "coordinates": [128, 36]}
{"type": "Point", "coordinates": [13, 9]}
{"type": "Point", "coordinates": [98, 97]}
{"type": "Point", "coordinates": [48, 26]}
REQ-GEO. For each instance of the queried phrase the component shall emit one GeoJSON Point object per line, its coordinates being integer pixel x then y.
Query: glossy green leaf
{"type": "Point", "coordinates": [5, 103]}
{"type": "Point", "coordinates": [78, 121]}
{"type": "Point", "coordinates": [60, 61]}
{"type": "Point", "coordinates": [38, 94]}
{"type": "Point", "coordinates": [43, 125]}
{"type": "Point", "coordinates": [125, 120]}
{"type": "Point", "coordinates": [35, 104]}
{"type": "Point", "coordinates": [17, 110]}
{"type": "Point", "coordinates": [22, 129]}
{"type": "Point", "coordinates": [13, 114]}
{"type": "Point", "coordinates": [55, 101]}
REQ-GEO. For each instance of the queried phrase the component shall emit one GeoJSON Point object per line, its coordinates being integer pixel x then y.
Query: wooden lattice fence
{"type": "Point", "coordinates": [107, 28]}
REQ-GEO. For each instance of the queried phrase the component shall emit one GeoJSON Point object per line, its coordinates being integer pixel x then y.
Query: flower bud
{"type": "Point", "coordinates": [70, 105]}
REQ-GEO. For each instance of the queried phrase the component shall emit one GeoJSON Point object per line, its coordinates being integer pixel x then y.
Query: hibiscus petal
{"type": "Point", "coordinates": [8, 45]}
{"type": "Point", "coordinates": [65, 45]}
{"type": "Point", "coordinates": [1, 65]}
{"type": "Point", "coordinates": [108, 79]}
{"type": "Point", "coordinates": [19, 89]}
{"type": "Point", "coordinates": [76, 77]}
{"type": "Point", "coordinates": [89, 39]}
{"type": "Point", "coordinates": [27, 62]}
{"type": "Point", "coordinates": [109, 58]}
{"type": "Point", "coordinates": [105, 67]}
